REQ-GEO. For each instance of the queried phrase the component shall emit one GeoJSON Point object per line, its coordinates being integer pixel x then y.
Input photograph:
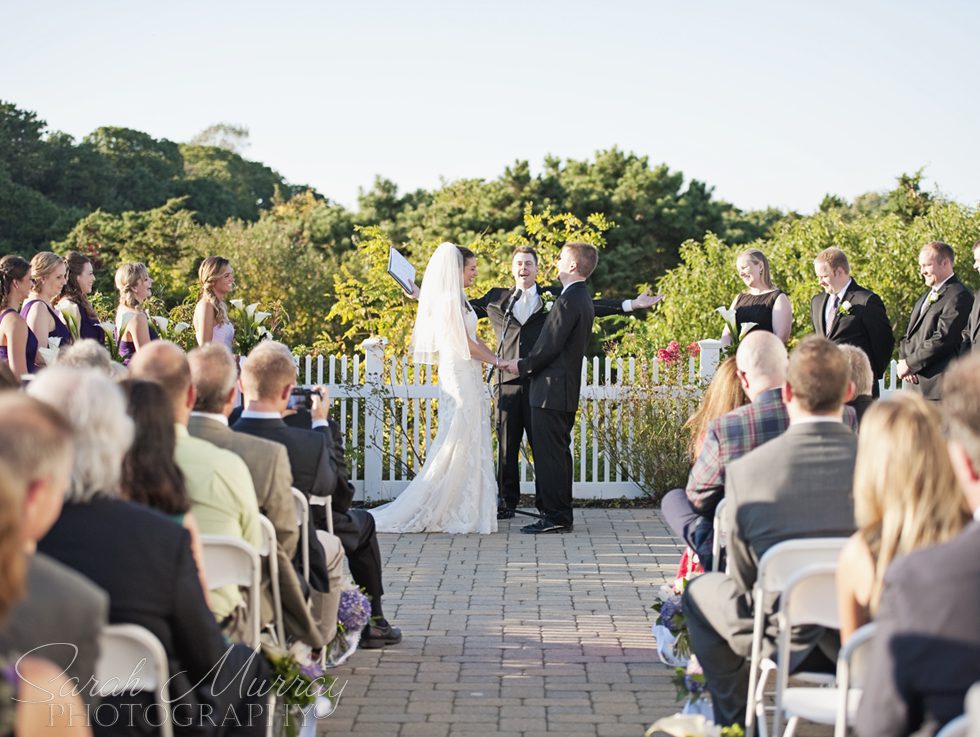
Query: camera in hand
{"type": "Point", "coordinates": [302, 398]}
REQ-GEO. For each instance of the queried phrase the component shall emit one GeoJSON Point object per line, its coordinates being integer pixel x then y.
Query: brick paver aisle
{"type": "Point", "coordinates": [512, 634]}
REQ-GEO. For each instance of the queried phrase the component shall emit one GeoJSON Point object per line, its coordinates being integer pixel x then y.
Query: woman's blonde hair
{"type": "Point", "coordinates": [127, 277]}
{"type": "Point", "coordinates": [723, 394]}
{"type": "Point", "coordinates": [760, 258]}
{"type": "Point", "coordinates": [42, 266]}
{"type": "Point", "coordinates": [209, 272]}
{"type": "Point", "coordinates": [905, 491]}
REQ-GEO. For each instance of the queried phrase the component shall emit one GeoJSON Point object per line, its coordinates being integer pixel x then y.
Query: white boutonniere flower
{"type": "Point", "coordinates": [932, 298]}
{"type": "Point", "coordinates": [547, 301]}
{"type": "Point", "coordinates": [844, 308]}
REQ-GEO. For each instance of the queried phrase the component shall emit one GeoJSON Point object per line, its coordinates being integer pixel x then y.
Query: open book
{"type": "Point", "coordinates": [401, 271]}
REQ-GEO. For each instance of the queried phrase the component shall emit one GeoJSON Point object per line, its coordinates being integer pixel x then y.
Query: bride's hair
{"type": "Point", "coordinates": [466, 253]}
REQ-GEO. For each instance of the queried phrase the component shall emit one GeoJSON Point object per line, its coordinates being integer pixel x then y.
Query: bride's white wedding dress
{"type": "Point", "coordinates": [455, 491]}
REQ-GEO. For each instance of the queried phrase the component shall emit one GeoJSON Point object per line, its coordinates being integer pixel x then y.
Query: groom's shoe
{"type": "Point", "coordinates": [505, 513]}
{"type": "Point", "coordinates": [545, 526]}
{"type": "Point", "coordinates": [379, 635]}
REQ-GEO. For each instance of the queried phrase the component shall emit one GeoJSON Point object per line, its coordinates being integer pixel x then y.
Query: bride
{"type": "Point", "coordinates": [455, 490]}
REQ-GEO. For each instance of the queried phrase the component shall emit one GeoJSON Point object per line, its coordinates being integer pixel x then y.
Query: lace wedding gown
{"type": "Point", "coordinates": [455, 491]}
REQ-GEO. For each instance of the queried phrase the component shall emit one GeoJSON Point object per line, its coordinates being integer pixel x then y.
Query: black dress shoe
{"type": "Point", "coordinates": [506, 513]}
{"type": "Point", "coordinates": [544, 527]}
{"type": "Point", "coordinates": [374, 636]}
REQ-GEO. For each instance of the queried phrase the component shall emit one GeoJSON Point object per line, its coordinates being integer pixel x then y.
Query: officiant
{"type": "Point", "coordinates": [517, 315]}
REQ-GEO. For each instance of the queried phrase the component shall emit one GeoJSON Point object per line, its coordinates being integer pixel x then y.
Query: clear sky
{"type": "Point", "coordinates": [772, 103]}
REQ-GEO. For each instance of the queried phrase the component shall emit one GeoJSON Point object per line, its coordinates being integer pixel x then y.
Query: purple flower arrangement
{"type": "Point", "coordinates": [354, 611]}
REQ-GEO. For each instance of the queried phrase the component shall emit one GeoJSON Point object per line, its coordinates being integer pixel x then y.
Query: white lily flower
{"type": "Point", "coordinates": [50, 355]}
{"type": "Point", "coordinates": [250, 310]}
{"type": "Point", "coordinates": [180, 327]}
{"type": "Point", "coordinates": [69, 310]}
{"type": "Point", "coordinates": [238, 304]}
{"type": "Point", "coordinates": [124, 323]}
{"type": "Point", "coordinates": [746, 327]}
{"type": "Point", "coordinates": [108, 327]}
{"type": "Point", "coordinates": [260, 316]}
{"type": "Point", "coordinates": [162, 322]}
{"type": "Point", "coordinates": [726, 314]}
{"type": "Point", "coordinates": [54, 342]}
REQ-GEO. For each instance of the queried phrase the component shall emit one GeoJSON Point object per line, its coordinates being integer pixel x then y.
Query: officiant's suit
{"type": "Point", "coordinates": [797, 485]}
{"type": "Point", "coordinates": [553, 369]}
{"type": "Point", "coordinates": [926, 650]}
{"type": "Point", "coordinates": [513, 394]}
{"type": "Point", "coordinates": [971, 333]}
{"type": "Point", "coordinates": [865, 325]}
{"type": "Point", "coordinates": [934, 336]}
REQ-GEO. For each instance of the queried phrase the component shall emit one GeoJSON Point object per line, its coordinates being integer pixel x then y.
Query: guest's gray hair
{"type": "Point", "coordinates": [861, 374]}
{"type": "Point", "coordinates": [214, 374]}
{"type": "Point", "coordinates": [87, 353]}
{"type": "Point", "coordinates": [102, 430]}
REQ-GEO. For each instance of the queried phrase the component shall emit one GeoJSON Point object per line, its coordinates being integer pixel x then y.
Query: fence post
{"type": "Point", "coordinates": [710, 354]}
{"type": "Point", "coordinates": [374, 362]}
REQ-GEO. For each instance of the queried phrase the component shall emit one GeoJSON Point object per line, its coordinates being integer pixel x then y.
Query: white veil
{"type": "Point", "coordinates": [439, 326]}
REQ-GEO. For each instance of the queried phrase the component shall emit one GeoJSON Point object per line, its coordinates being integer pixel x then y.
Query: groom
{"type": "Point", "coordinates": [554, 369]}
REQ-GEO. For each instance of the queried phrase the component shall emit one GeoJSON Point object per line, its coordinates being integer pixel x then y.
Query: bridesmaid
{"type": "Point", "coordinates": [81, 277]}
{"type": "Point", "coordinates": [18, 344]}
{"type": "Point", "coordinates": [49, 272]}
{"type": "Point", "coordinates": [132, 325]}
{"type": "Point", "coordinates": [761, 303]}
{"type": "Point", "coordinates": [211, 321]}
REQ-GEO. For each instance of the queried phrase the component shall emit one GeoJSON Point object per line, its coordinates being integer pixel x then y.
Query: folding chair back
{"type": "Point", "coordinates": [776, 567]}
{"type": "Point", "coordinates": [303, 521]}
{"type": "Point", "coordinates": [324, 501]}
{"type": "Point", "coordinates": [719, 536]}
{"type": "Point", "coordinates": [131, 658]}
{"type": "Point", "coordinates": [230, 561]}
{"type": "Point", "coordinates": [270, 552]}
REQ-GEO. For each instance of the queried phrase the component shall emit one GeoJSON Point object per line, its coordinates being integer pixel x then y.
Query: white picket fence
{"type": "Point", "coordinates": [389, 416]}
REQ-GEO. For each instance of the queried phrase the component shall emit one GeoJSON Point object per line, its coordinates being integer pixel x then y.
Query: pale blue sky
{"type": "Point", "coordinates": [773, 103]}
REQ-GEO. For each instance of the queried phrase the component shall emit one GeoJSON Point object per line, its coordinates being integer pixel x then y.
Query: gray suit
{"type": "Point", "coordinates": [926, 651]}
{"type": "Point", "coordinates": [797, 485]}
{"type": "Point", "coordinates": [268, 465]}
{"type": "Point", "coordinates": [59, 619]}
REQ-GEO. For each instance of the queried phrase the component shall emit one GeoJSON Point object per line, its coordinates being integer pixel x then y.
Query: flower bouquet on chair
{"type": "Point", "coordinates": [353, 614]}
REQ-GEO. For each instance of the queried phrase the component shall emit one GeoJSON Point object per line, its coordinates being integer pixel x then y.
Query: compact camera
{"type": "Point", "coordinates": [302, 398]}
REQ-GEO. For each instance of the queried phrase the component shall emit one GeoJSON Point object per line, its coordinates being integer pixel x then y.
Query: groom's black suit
{"type": "Point", "coordinates": [513, 393]}
{"type": "Point", "coordinates": [554, 369]}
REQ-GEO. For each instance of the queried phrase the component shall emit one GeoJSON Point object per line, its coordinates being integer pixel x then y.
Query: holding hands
{"type": "Point", "coordinates": [510, 366]}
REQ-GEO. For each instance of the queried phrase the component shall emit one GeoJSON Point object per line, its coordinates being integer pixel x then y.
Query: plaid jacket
{"type": "Point", "coordinates": [733, 435]}
{"type": "Point", "coordinates": [728, 438]}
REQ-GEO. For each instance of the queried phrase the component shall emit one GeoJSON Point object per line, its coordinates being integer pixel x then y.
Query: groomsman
{"type": "Point", "coordinates": [935, 330]}
{"type": "Point", "coordinates": [517, 316]}
{"type": "Point", "coordinates": [554, 369]}
{"type": "Point", "coordinates": [971, 334]}
{"type": "Point", "coordinates": [849, 314]}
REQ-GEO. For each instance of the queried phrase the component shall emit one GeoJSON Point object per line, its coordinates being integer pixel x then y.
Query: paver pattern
{"type": "Point", "coordinates": [512, 634]}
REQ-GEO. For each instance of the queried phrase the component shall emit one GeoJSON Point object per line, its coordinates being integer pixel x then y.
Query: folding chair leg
{"type": "Point", "coordinates": [791, 726]}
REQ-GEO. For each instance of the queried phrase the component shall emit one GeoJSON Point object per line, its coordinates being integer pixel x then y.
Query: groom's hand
{"type": "Point", "coordinates": [509, 366]}
{"type": "Point", "coordinates": [645, 299]}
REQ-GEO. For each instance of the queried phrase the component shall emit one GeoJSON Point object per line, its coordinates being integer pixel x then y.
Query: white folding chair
{"type": "Point", "coordinates": [230, 561]}
{"type": "Point", "coordinates": [810, 598]}
{"type": "Point", "coordinates": [131, 658]}
{"type": "Point", "coordinates": [303, 521]}
{"type": "Point", "coordinates": [268, 551]}
{"type": "Point", "coordinates": [955, 727]}
{"type": "Point", "coordinates": [324, 501]}
{"type": "Point", "coordinates": [719, 536]}
{"type": "Point", "coordinates": [775, 569]}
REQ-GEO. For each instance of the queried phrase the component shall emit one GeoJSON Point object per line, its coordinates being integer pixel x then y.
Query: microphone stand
{"type": "Point", "coordinates": [508, 318]}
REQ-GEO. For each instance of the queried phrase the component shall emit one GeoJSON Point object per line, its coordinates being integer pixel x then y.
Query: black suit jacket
{"type": "Point", "coordinates": [143, 560]}
{"type": "Point", "coordinates": [935, 335]}
{"type": "Point", "coordinates": [554, 365]}
{"type": "Point", "coordinates": [926, 651]}
{"type": "Point", "coordinates": [866, 326]}
{"type": "Point", "coordinates": [971, 333]}
{"type": "Point", "coordinates": [520, 339]}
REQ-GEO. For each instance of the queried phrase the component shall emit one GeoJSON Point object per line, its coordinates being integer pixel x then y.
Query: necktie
{"type": "Point", "coordinates": [833, 313]}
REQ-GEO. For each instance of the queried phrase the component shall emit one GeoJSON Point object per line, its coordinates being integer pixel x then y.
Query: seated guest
{"type": "Point", "coordinates": [926, 652]}
{"type": "Point", "coordinates": [905, 498]}
{"type": "Point", "coordinates": [35, 695]}
{"type": "Point", "coordinates": [150, 474]}
{"type": "Point", "coordinates": [218, 482]}
{"type": "Point", "coordinates": [795, 486]}
{"type": "Point", "coordinates": [861, 377]}
{"type": "Point", "coordinates": [63, 612]}
{"type": "Point", "coordinates": [268, 377]}
{"type": "Point", "coordinates": [215, 374]}
{"type": "Point", "coordinates": [723, 394]}
{"type": "Point", "coordinates": [87, 353]}
{"type": "Point", "coordinates": [144, 561]}
{"type": "Point", "coordinates": [761, 368]}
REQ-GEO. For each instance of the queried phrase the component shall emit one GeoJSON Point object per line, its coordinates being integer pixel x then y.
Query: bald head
{"type": "Point", "coordinates": [166, 364]}
{"type": "Point", "coordinates": [761, 358]}
{"type": "Point", "coordinates": [214, 373]}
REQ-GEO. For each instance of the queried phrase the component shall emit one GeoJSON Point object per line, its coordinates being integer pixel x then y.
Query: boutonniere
{"type": "Point", "coordinates": [844, 308]}
{"type": "Point", "coordinates": [932, 298]}
{"type": "Point", "coordinates": [547, 301]}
